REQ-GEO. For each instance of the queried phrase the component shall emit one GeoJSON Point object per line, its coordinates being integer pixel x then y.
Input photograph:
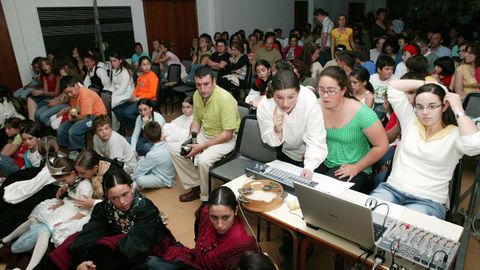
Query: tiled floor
{"type": "Point", "coordinates": [181, 219]}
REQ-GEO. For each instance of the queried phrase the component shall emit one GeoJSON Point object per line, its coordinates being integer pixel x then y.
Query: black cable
{"type": "Point", "coordinates": [445, 258]}
{"type": "Point", "coordinates": [367, 252]}
{"type": "Point", "coordinates": [385, 218]}
{"type": "Point", "coordinates": [393, 250]}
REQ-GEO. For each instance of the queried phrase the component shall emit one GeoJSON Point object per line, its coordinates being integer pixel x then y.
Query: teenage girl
{"type": "Point", "coordinates": [179, 129]}
{"type": "Point", "coordinates": [362, 88]}
{"type": "Point", "coordinates": [259, 89]}
{"type": "Point", "coordinates": [11, 156]}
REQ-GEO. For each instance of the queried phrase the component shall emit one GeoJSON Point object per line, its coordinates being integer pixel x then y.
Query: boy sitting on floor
{"type": "Point", "coordinates": [109, 143]}
{"type": "Point", "coordinates": [155, 170]}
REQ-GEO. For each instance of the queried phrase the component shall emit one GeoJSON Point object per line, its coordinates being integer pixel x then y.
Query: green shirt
{"type": "Point", "coordinates": [348, 144]}
{"type": "Point", "coordinates": [220, 113]}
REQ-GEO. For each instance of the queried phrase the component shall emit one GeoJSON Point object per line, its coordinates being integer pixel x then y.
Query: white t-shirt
{"type": "Point", "coordinates": [380, 87]}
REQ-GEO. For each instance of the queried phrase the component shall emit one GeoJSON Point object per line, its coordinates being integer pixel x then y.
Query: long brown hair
{"type": "Point", "coordinates": [340, 76]}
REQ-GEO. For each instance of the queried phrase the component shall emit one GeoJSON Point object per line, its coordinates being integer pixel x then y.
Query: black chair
{"type": "Point", "coordinates": [248, 149]}
{"type": "Point", "coordinates": [106, 97]}
{"type": "Point", "coordinates": [164, 91]}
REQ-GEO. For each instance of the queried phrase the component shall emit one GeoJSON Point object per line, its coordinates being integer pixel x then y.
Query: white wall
{"type": "Point", "coordinates": [233, 15]}
{"type": "Point", "coordinates": [26, 35]}
{"type": "Point", "coordinates": [336, 7]}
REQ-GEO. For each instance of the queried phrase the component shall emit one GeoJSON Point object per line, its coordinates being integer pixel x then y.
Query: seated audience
{"type": "Point", "coordinates": [444, 71]}
{"type": "Point", "coordinates": [40, 97]}
{"type": "Point", "coordinates": [110, 144]}
{"type": "Point", "coordinates": [361, 86]}
{"type": "Point", "coordinates": [362, 57]}
{"type": "Point", "coordinates": [11, 156]}
{"type": "Point", "coordinates": [122, 80]}
{"type": "Point", "coordinates": [401, 68]}
{"type": "Point", "coordinates": [237, 68]}
{"type": "Point", "coordinates": [259, 88]}
{"type": "Point", "coordinates": [85, 105]}
{"type": "Point", "coordinates": [427, 52]}
{"type": "Point", "coordinates": [215, 120]}
{"type": "Point", "coordinates": [309, 56]}
{"type": "Point", "coordinates": [31, 136]}
{"type": "Point", "coordinates": [256, 261]}
{"type": "Point", "coordinates": [267, 52]}
{"type": "Point", "coordinates": [155, 170]}
{"type": "Point", "coordinates": [139, 53]}
{"type": "Point", "coordinates": [379, 81]}
{"type": "Point", "coordinates": [166, 58]}
{"type": "Point", "coordinates": [345, 60]}
{"type": "Point", "coordinates": [146, 114]}
{"type": "Point", "coordinates": [178, 129]}
{"type": "Point", "coordinates": [96, 78]}
{"type": "Point", "coordinates": [35, 83]}
{"type": "Point", "coordinates": [220, 59]}
{"type": "Point", "coordinates": [430, 148]}
{"type": "Point", "coordinates": [436, 44]}
{"type": "Point", "coordinates": [465, 81]}
{"type": "Point", "coordinates": [147, 84]}
{"type": "Point", "coordinates": [375, 52]}
{"type": "Point", "coordinates": [204, 51]}
{"type": "Point", "coordinates": [292, 118]}
{"type": "Point", "coordinates": [292, 51]}
{"type": "Point", "coordinates": [122, 231]}
{"type": "Point", "coordinates": [355, 136]}
{"type": "Point", "coordinates": [221, 238]}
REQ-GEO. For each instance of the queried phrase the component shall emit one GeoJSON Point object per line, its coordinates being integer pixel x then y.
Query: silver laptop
{"type": "Point", "coordinates": [346, 219]}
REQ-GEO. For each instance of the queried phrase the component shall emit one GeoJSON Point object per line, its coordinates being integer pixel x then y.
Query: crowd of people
{"type": "Point", "coordinates": [347, 102]}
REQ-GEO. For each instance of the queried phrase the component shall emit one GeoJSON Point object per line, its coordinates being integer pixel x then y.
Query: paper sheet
{"type": "Point", "coordinates": [326, 184]}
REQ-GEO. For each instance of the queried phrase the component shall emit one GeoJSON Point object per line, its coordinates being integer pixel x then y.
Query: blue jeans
{"type": "Point", "coordinates": [44, 113]}
{"type": "Point", "coordinates": [28, 240]}
{"type": "Point", "coordinates": [22, 93]}
{"type": "Point", "coordinates": [143, 145]}
{"type": "Point", "coordinates": [388, 193]}
{"type": "Point", "coordinates": [127, 114]}
{"type": "Point", "coordinates": [7, 165]}
{"type": "Point", "coordinates": [71, 135]}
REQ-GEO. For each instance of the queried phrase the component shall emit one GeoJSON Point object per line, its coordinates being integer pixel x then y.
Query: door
{"type": "Point", "coordinates": [9, 75]}
{"type": "Point", "coordinates": [172, 20]}
{"type": "Point", "coordinates": [301, 16]}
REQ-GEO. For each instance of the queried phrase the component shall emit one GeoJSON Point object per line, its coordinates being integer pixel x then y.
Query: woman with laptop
{"type": "Point", "coordinates": [355, 137]}
{"type": "Point", "coordinates": [291, 118]}
{"type": "Point", "coordinates": [436, 133]}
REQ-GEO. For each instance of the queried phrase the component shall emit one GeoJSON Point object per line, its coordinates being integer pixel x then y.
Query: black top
{"type": "Point", "coordinates": [217, 59]}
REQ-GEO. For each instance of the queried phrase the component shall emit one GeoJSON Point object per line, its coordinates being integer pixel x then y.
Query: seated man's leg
{"type": "Point", "coordinates": [63, 134]}
{"type": "Point", "coordinates": [388, 193]}
{"type": "Point", "coordinates": [206, 159]}
{"type": "Point", "coordinates": [187, 173]}
{"type": "Point", "coordinates": [151, 181]}
{"type": "Point", "coordinates": [425, 206]}
{"type": "Point", "coordinates": [47, 112]}
{"type": "Point", "coordinates": [76, 134]}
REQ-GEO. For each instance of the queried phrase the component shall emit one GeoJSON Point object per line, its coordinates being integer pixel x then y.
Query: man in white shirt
{"type": "Point", "coordinates": [327, 25]}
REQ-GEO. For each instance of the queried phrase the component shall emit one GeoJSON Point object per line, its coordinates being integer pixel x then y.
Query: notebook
{"type": "Point", "coordinates": [346, 219]}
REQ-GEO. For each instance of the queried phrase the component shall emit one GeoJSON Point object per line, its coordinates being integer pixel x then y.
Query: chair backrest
{"type": "Point", "coordinates": [106, 97]}
{"type": "Point", "coordinates": [248, 77]}
{"type": "Point", "coordinates": [472, 105]}
{"type": "Point", "coordinates": [250, 144]}
{"type": "Point", "coordinates": [243, 110]}
{"type": "Point", "coordinates": [174, 73]}
{"type": "Point", "coordinates": [187, 64]}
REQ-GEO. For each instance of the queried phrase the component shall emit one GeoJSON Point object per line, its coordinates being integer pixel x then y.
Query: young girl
{"type": "Point", "coordinates": [179, 129]}
{"type": "Point", "coordinates": [39, 98]}
{"type": "Point", "coordinates": [146, 114]}
{"type": "Point", "coordinates": [146, 88]}
{"type": "Point", "coordinates": [31, 136]}
{"type": "Point", "coordinates": [11, 156]}
{"type": "Point", "coordinates": [122, 81]}
{"type": "Point", "coordinates": [432, 143]}
{"type": "Point", "coordinates": [53, 218]}
{"type": "Point", "coordinates": [96, 78]}
{"type": "Point", "coordinates": [444, 68]}
{"type": "Point", "coordinates": [362, 88]}
{"type": "Point", "coordinates": [259, 89]}
{"type": "Point", "coordinates": [221, 240]}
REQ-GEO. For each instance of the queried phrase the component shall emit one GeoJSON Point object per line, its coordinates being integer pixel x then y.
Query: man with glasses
{"type": "Point", "coordinates": [268, 51]}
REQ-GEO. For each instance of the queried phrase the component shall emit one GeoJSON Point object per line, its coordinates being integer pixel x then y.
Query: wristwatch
{"type": "Point", "coordinates": [460, 114]}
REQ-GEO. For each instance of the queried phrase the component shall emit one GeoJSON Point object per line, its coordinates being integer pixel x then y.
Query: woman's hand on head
{"type": "Point", "coordinates": [455, 102]}
{"type": "Point", "coordinates": [347, 171]}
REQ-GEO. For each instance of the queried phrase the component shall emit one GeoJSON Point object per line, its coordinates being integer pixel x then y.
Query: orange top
{"type": "Point", "coordinates": [146, 86]}
{"type": "Point", "coordinates": [88, 103]}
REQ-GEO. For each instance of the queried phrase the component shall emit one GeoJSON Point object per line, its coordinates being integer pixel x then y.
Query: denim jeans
{"type": "Point", "coordinates": [28, 240]}
{"type": "Point", "coordinates": [22, 93]}
{"type": "Point", "coordinates": [127, 113]}
{"type": "Point", "coordinates": [7, 165]}
{"type": "Point", "coordinates": [71, 135]}
{"type": "Point", "coordinates": [143, 145]}
{"type": "Point", "coordinates": [44, 113]}
{"type": "Point", "coordinates": [389, 193]}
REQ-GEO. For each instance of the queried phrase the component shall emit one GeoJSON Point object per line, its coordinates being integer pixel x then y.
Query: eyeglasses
{"type": "Point", "coordinates": [429, 108]}
{"type": "Point", "coordinates": [330, 91]}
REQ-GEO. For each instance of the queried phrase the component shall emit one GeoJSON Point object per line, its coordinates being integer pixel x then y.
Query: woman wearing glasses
{"type": "Point", "coordinates": [355, 137]}
{"type": "Point", "coordinates": [432, 143]}
{"type": "Point", "coordinates": [291, 118]}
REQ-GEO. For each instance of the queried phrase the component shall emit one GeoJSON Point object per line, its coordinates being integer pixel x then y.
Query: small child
{"type": "Point", "coordinates": [11, 156]}
{"type": "Point", "coordinates": [155, 170]}
{"type": "Point", "coordinates": [31, 136]}
{"type": "Point", "coordinates": [50, 215]}
{"type": "Point", "coordinates": [379, 81]}
{"type": "Point", "coordinates": [35, 83]}
{"type": "Point", "coordinates": [179, 129]}
{"type": "Point", "coordinates": [109, 143]}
